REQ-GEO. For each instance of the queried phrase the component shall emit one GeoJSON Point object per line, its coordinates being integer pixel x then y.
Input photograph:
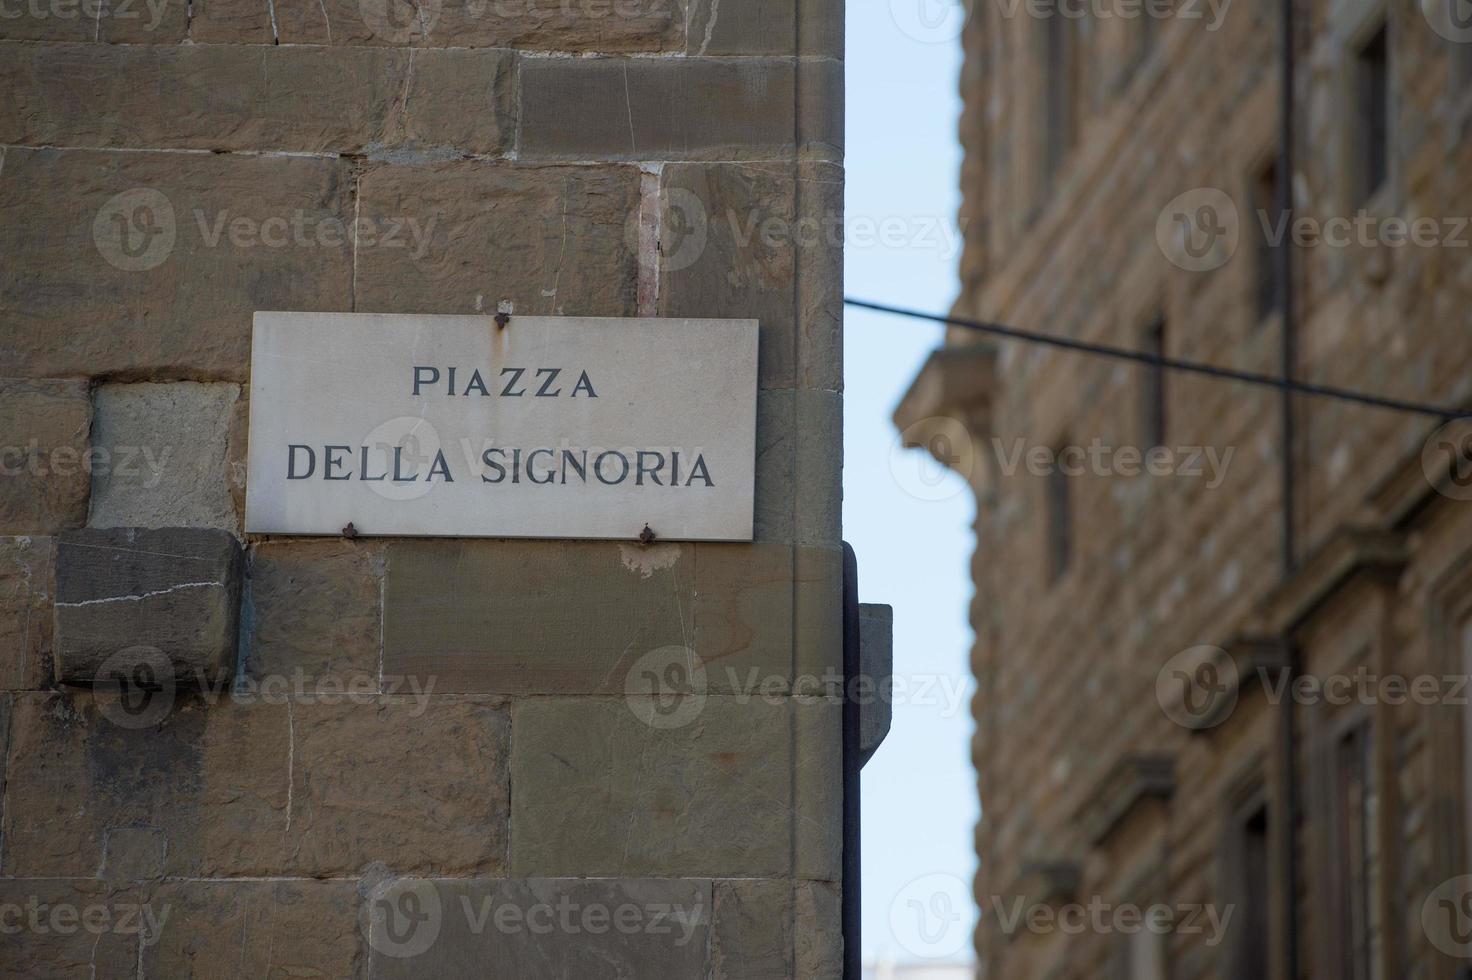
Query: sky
{"type": "Point", "coordinates": [909, 522]}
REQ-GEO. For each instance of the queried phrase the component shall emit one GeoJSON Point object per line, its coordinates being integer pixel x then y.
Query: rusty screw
{"type": "Point", "coordinates": [646, 536]}
{"type": "Point", "coordinates": [349, 531]}
{"type": "Point", "coordinates": [502, 319]}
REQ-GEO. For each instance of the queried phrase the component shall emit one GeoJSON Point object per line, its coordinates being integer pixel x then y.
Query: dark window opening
{"type": "Point", "coordinates": [1060, 519]}
{"type": "Point", "coordinates": [1372, 109]}
{"type": "Point", "coordinates": [1252, 941]}
{"type": "Point", "coordinates": [1152, 387]}
{"type": "Point", "coordinates": [1270, 233]}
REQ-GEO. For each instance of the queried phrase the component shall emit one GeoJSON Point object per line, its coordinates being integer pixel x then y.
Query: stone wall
{"type": "Point", "coordinates": [1070, 666]}
{"type": "Point", "coordinates": [435, 758]}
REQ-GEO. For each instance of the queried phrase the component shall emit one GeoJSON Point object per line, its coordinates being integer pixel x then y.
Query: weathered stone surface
{"type": "Point", "coordinates": [220, 930]}
{"type": "Point", "coordinates": [81, 768]}
{"type": "Point", "coordinates": [27, 584]}
{"type": "Point", "coordinates": [255, 97]}
{"type": "Point", "coordinates": [818, 931]}
{"type": "Point", "coordinates": [175, 590]}
{"type": "Point", "coordinates": [671, 109]}
{"type": "Point", "coordinates": [799, 467]}
{"type": "Point", "coordinates": [817, 780]}
{"type": "Point", "coordinates": [628, 25]}
{"type": "Point", "coordinates": [265, 781]}
{"type": "Point", "coordinates": [752, 929]}
{"type": "Point", "coordinates": [175, 296]}
{"type": "Point", "coordinates": [315, 611]}
{"type": "Point", "coordinates": [820, 108]}
{"type": "Point", "coordinates": [532, 617]}
{"type": "Point", "coordinates": [743, 616]}
{"type": "Point", "coordinates": [43, 475]}
{"type": "Point", "coordinates": [739, 258]}
{"type": "Point", "coordinates": [233, 21]}
{"type": "Point", "coordinates": [421, 781]}
{"type": "Point", "coordinates": [819, 277]}
{"type": "Point", "coordinates": [133, 854]}
{"type": "Point", "coordinates": [64, 929]}
{"type": "Point", "coordinates": [766, 27]}
{"type": "Point", "coordinates": [708, 795]}
{"type": "Point", "coordinates": [113, 21]}
{"type": "Point", "coordinates": [548, 240]}
{"type": "Point", "coordinates": [165, 462]}
{"type": "Point", "coordinates": [543, 928]}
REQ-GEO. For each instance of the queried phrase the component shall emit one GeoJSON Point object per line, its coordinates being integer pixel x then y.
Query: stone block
{"type": "Point", "coordinates": [27, 584]}
{"type": "Point", "coordinates": [218, 930]}
{"type": "Point", "coordinates": [752, 929]}
{"type": "Point", "coordinates": [258, 782]}
{"type": "Point", "coordinates": [233, 22]}
{"type": "Point", "coordinates": [160, 454]}
{"type": "Point", "coordinates": [43, 462]}
{"type": "Point", "coordinates": [533, 617]}
{"type": "Point", "coordinates": [132, 270]}
{"type": "Point", "coordinates": [541, 928]}
{"type": "Point", "coordinates": [743, 616]}
{"type": "Point", "coordinates": [660, 109]}
{"type": "Point", "coordinates": [419, 782]}
{"type": "Point", "coordinates": [59, 929]}
{"type": "Point", "coordinates": [820, 108]}
{"type": "Point", "coordinates": [133, 854]}
{"type": "Point", "coordinates": [111, 21]}
{"type": "Point", "coordinates": [549, 240]}
{"type": "Point", "coordinates": [628, 25]}
{"type": "Point", "coordinates": [256, 97]}
{"type": "Point", "coordinates": [818, 946]}
{"type": "Point", "coordinates": [738, 256]}
{"type": "Point", "coordinates": [315, 611]}
{"type": "Point", "coordinates": [173, 591]}
{"type": "Point", "coordinates": [705, 790]}
{"type": "Point", "coordinates": [799, 467]}
{"type": "Point", "coordinates": [773, 27]}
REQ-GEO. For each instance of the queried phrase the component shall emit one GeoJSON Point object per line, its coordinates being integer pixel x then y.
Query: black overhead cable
{"type": "Point", "coordinates": [1171, 363]}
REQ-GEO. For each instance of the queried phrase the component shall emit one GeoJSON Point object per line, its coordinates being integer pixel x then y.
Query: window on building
{"type": "Point", "coordinates": [1059, 74]}
{"type": "Point", "coordinates": [1270, 231]}
{"type": "Point", "coordinates": [1372, 111]}
{"type": "Point", "coordinates": [1356, 802]}
{"type": "Point", "coordinates": [1251, 959]}
{"type": "Point", "coordinates": [1467, 752]}
{"type": "Point", "coordinates": [1060, 521]}
{"type": "Point", "coordinates": [1152, 387]}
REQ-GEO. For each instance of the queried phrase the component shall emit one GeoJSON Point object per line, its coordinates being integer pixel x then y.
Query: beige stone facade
{"type": "Point", "coordinates": [435, 758]}
{"type": "Point", "coordinates": [1118, 764]}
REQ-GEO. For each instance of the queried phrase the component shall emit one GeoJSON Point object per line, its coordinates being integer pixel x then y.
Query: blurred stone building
{"type": "Point", "coordinates": [430, 757]}
{"type": "Point", "coordinates": [1222, 640]}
